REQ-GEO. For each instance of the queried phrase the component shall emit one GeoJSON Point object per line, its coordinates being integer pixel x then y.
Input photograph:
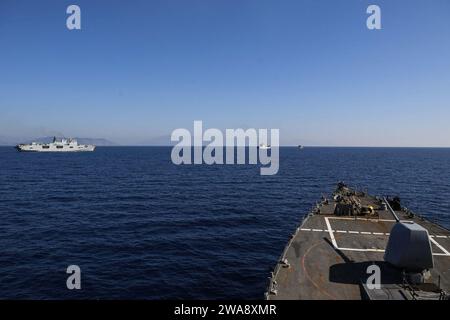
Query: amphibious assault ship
{"type": "Point", "coordinates": [354, 246]}
{"type": "Point", "coordinates": [58, 145]}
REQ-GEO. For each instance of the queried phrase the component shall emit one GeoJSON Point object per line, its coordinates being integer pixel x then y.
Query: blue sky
{"type": "Point", "coordinates": [139, 69]}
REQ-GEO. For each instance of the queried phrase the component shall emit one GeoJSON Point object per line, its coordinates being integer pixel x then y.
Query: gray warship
{"type": "Point", "coordinates": [334, 253]}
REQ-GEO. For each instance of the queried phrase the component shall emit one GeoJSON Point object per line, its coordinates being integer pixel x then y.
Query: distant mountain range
{"type": "Point", "coordinates": [157, 141]}
{"type": "Point", "coordinates": [12, 141]}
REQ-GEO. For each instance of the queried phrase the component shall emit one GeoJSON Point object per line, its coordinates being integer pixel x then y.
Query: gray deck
{"type": "Point", "coordinates": [328, 257]}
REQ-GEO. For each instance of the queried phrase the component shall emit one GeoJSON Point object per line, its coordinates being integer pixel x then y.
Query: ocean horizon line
{"type": "Point", "coordinates": [281, 146]}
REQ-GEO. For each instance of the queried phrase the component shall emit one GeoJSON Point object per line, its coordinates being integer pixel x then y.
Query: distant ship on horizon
{"type": "Point", "coordinates": [58, 145]}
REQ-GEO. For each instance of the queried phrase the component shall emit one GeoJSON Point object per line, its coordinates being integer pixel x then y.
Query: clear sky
{"type": "Point", "coordinates": [139, 69]}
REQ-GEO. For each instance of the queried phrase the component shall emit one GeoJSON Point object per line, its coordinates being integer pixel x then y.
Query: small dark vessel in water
{"type": "Point", "coordinates": [356, 246]}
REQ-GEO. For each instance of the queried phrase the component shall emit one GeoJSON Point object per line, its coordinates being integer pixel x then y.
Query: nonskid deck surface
{"type": "Point", "coordinates": [328, 256]}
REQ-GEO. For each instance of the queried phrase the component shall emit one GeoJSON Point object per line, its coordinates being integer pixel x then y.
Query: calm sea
{"type": "Point", "coordinates": [140, 227]}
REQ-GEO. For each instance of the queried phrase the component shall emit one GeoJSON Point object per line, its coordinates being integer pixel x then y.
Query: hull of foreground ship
{"type": "Point", "coordinates": [62, 145]}
{"type": "Point", "coordinates": [339, 246]}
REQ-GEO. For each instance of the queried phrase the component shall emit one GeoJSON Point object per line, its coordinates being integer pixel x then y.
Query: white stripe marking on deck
{"type": "Point", "coordinates": [359, 232]}
{"type": "Point", "coordinates": [440, 247]}
{"type": "Point", "coordinates": [367, 219]}
{"type": "Point", "coordinates": [362, 250]}
{"type": "Point", "coordinates": [333, 240]}
{"type": "Point", "coordinates": [381, 250]}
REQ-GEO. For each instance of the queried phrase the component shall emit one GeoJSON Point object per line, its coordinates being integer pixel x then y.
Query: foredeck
{"type": "Point", "coordinates": [328, 256]}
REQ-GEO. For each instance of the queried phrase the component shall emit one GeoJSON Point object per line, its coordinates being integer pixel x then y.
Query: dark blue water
{"type": "Point", "coordinates": [140, 227]}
